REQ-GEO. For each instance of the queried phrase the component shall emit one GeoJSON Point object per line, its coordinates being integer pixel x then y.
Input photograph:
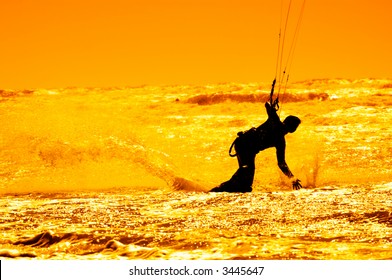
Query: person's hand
{"type": "Point", "coordinates": [296, 184]}
{"type": "Point", "coordinates": [275, 104]}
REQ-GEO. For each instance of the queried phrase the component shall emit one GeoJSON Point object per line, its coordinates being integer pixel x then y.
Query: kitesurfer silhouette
{"type": "Point", "coordinates": [248, 143]}
{"type": "Point", "coordinates": [271, 133]}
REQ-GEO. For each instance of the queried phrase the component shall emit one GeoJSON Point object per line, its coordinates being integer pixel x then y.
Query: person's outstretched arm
{"type": "Point", "coordinates": [280, 154]}
{"type": "Point", "coordinates": [271, 111]}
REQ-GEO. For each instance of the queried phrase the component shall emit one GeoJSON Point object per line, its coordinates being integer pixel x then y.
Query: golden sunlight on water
{"type": "Point", "coordinates": [89, 173]}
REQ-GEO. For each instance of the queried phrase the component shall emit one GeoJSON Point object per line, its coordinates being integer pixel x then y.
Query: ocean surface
{"type": "Point", "coordinates": [122, 173]}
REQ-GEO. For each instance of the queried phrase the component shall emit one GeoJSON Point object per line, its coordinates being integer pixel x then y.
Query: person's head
{"type": "Point", "coordinates": [291, 123]}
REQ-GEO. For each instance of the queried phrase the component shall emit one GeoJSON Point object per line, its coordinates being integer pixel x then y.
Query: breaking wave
{"type": "Point", "coordinates": [84, 245]}
{"type": "Point", "coordinates": [210, 99]}
{"type": "Point", "coordinates": [14, 93]}
{"type": "Point", "coordinates": [46, 239]}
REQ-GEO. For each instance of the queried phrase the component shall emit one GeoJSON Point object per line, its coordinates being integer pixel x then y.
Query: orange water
{"type": "Point", "coordinates": [89, 173]}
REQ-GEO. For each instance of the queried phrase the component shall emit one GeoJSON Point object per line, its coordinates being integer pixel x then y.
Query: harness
{"type": "Point", "coordinates": [242, 135]}
{"type": "Point", "coordinates": [231, 148]}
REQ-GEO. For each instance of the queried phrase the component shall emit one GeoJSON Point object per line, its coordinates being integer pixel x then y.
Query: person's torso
{"type": "Point", "coordinates": [270, 134]}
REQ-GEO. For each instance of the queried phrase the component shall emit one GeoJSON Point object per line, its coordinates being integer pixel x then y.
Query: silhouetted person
{"type": "Point", "coordinates": [249, 143]}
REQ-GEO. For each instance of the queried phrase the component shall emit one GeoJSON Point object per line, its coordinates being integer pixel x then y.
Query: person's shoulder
{"type": "Point", "coordinates": [279, 129]}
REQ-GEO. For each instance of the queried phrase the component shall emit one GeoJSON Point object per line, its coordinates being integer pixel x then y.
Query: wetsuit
{"type": "Point", "coordinates": [269, 134]}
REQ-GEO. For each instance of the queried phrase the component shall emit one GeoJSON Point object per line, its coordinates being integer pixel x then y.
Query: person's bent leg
{"type": "Point", "coordinates": [241, 181]}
